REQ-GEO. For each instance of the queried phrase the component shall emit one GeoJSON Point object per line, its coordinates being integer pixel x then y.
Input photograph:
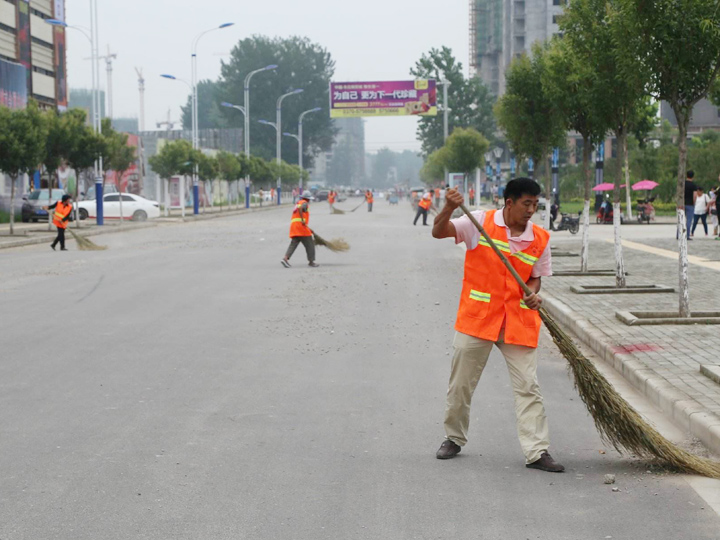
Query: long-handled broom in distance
{"type": "Point", "coordinates": [358, 206]}
{"type": "Point", "coordinates": [337, 211]}
{"type": "Point", "coordinates": [336, 244]}
{"type": "Point", "coordinates": [84, 244]}
{"type": "Point", "coordinates": [618, 423]}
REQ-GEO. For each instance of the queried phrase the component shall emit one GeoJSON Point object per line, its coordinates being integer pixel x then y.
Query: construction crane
{"type": "Point", "coordinates": [169, 124]}
{"type": "Point", "coordinates": [141, 88]}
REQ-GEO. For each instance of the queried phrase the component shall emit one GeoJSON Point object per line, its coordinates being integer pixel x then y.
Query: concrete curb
{"type": "Point", "coordinates": [686, 412]}
{"type": "Point", "coordinates": [93, 230]}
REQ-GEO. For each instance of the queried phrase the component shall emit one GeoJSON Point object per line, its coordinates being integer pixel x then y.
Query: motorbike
{"type": "Point", "coordinates": [567, 223]}
{"type": "Point", "coordinates": [645, 210]}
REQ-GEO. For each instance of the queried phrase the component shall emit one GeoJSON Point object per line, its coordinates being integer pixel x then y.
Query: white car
{"type": "Point", "coordinates": [134, 207]}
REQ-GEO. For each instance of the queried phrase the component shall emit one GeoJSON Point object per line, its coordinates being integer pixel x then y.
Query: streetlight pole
{"type": "Point", "coordinates": [278, 142]}
{"type": "Point", "coordinates": [246, 133]}
{"type": "Point", "coordinates": [446, 110]}
{"type": "Point", "coordinates": [300, 141]}
{"type": "Point", "coordinates": [195, 130]}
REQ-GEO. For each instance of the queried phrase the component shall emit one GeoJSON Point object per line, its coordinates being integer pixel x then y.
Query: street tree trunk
{"type": "Point", "coordinates": [585, 251]}
{"type": "Point", "coordinates": [118, 177]}
{"type": "Point", "coordinates": [628, 198]}
{"type": "Point", "coordinates": [12, 203]}
{"type": "Point", "coordinates": [682, 118]}
{"type": "Point", "coordinates": [167, 197]}
{"type": "Point", "coordinates": [621, 136]}
{"type": "Point", "coordinates": [548, 191]}
{"type": "Point", "coordinates": [51, 183]}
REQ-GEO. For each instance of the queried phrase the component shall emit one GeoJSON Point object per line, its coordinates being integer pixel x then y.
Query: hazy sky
{"type": "Point", "coordinates": [370, 40]}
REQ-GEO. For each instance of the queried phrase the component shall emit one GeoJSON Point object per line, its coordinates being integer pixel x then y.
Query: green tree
{"type": "Point", "coordinates": [678, 42]}
{"type": "Point", "coordinates": [174, 158]}
{"type": "Point", "coordinates": [230, 169]}
{"type": "Point", "coordinates": [207, 172]}
{"type": "Point", "coordinates": [469, 100]}
{"type": "Point", "coordinates": [210, 112]}
{"type": "Point", "coordinates": [121, 160]}
{"type": "Point", "coordinates": [463, 152]}
{"type": "Point", "coordinates": [301, 64]}
{"type": "Point", "coordinates": [574, 85]}
{"type": "Point", "coordinates": [434, 167]}
{"type": "Point", "coordinates": [530, 119]}
{"type": "Point", "coordinates": [23, 133]}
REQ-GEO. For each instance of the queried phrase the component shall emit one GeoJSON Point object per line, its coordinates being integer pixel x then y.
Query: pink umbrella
{"type": "Point", "coordinates": [607, 186]}
{"type": "Point", "coordinates": [645, 184]}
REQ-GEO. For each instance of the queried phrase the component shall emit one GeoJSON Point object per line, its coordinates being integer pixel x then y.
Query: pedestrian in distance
{"type": "Point", "coordinates": [702, 204]}
{"type": "Point", "coordinates": [331, 199]}
{"type": "Point", "coordinates": [690, 198]}
{"type": "Point", "coordinates": [300, 232]}
{"type": "Point", "coordinates": [713, 207]}
{"type": "Point", "coordinates": [495, 311]}
{"type": "Point", "coordinates": [424, 205]}
{"type": "Point", "coordinates": [261, 194]}
{"type": "Point", "coordinates": [61, 216]}
{"type": "Point", "coordinates": [369, 199]}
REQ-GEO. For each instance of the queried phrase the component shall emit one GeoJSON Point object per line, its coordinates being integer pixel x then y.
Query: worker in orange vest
{"type": "Point", "coordinates": [471, 194]}
{"type": "Point", "coordinates": [423, 207]}
{"type": "Point", "coordinates": [495, 311]}
{"type": "Point", "coordinates": [331, 199]}
{"type": "Point", "coordinates": [61, 216]}
{"type": "Point", "coordinates": [300, 232]}
{"type": "Point", "coordinates": [369, 199]}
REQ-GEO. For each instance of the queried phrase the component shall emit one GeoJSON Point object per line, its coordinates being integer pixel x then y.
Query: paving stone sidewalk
{"type": "Point", "coordinates": [662, 361]}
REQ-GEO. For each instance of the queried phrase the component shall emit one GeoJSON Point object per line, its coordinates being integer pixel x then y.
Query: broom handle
{"type": "Point", "coordinates": [499, 253]}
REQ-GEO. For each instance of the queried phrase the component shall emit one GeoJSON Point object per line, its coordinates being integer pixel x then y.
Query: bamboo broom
{"type": "Point", "coordinates": [84, 244]}
{"type": "Point", "coordinates": [337, 211]}
{"type": "Point", "coordinates": [616, 421]}
{"type": "Point", "coordinates": [358, 206]}
{"type": "Point", "coordinates": [336, 244]}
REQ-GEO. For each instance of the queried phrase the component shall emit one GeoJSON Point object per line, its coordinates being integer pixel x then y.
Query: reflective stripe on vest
{"type": "Point", "coordinates": [479, 296]}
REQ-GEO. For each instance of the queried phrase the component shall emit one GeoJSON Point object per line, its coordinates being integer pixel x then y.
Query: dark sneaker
{"type": "Point", "coordinates": [285, 263]}
{"type": "Point", "coordinates": [313, 264]}
{"type": "Point", "coordinates": [64, 249]}
{"type": "Point", "coordinates": [52, 246]}
{"type": "Point", "coordinates": [447, 450]}
{"type": "Point", "coordinates": [546, 463]}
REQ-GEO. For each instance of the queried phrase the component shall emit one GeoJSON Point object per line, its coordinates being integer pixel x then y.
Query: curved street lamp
{"type": "Point", "coordinates": [278, 126]}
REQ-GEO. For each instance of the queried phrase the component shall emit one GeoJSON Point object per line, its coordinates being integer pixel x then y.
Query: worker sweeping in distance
{"type": "Point", "coordinates": [423, 207]}
{"type": "Point", "coordinates": [494, 311]}
{"type": "Point", "coordinates": [369, 199]}
{"type": "Point", "coordinates": [331, 199]}
{"type": "Point", "coordinates": [300, 232]}
{"type": "Point", "coordinates": [61, 216]}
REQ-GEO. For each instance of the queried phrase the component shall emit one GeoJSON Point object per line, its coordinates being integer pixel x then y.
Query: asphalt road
{"type": "Point", "coordinates": [183, 384]}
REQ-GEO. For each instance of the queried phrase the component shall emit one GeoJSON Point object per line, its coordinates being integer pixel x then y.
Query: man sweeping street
{"type": "Point", "coordinates": [300, 232]}
{"type": "Point", "coordinates": [61, 216]}
{"type": "Point", "coordinates": [369, 199]}
{"type": "Point", "coordinates": [494, 311]}
{"type": "Point", "coordinates": [423, 207]}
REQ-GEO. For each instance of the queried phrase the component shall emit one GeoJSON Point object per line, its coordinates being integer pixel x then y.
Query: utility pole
{"type": "Point", "coordinates": [141, 87]}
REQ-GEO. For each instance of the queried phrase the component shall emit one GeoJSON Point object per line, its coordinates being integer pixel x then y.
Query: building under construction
{"type": "Point", "coordinates": [500, 30]}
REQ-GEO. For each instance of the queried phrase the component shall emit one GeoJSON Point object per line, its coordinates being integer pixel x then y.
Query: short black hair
{"type": "Point", "coordinates": [521, 186]}
{"type": "Point", "coordinates": [691, 174]}
{"type": "Point", "coordinates": [66, 197]}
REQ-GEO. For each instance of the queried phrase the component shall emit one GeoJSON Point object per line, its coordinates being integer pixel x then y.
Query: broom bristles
{"type": "Point", "coordinates": [336, 244]}
{"type": "Point", "coordinates": [615, 419]}
{"type": "Point", "coordinates": [84, 244]}
{"type": "Point", "coordinates": [337, 211]}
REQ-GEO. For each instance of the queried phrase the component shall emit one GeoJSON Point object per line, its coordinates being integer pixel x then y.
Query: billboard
{"type": "Point", "coordinates": [13, 85]}
{"type": "Point", "coordinates": [383, 98]}
{"type": "Point", "coordinates": [23, 40]}
{"type": "Point", "coordinates": [61, 91]}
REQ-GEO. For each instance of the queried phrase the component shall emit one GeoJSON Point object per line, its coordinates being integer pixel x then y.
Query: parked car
{"type": "Point", "coordinates": [90, 194]}
{"type": "Point", "coordinates": [32, 206]}
{"type": "Point", "coordinates": [134, 207]}
{"type": "Point", "coordinates": [322, 195]}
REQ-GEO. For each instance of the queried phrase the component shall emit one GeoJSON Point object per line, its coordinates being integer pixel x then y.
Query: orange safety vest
{"type": "Point", "coordinates": [296, 223]}
{"type": "Point", "coordinates": [490, 294]}
{"type": "Point", "coordinates": [331, 198]}
{"type": "Point", "coordinates": [425, 203]}
{"type": "Point", "coordinates": [437, 193]}
{"type": "Point", "coordinates": [62, 210]}
{"type": "Point", "coordinates": [369, 197]}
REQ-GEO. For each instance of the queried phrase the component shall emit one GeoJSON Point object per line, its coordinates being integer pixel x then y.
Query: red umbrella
{"type": "Point", "coordinates": [645, 184]}
{"type": "Point", "coordinates": [607, 186]}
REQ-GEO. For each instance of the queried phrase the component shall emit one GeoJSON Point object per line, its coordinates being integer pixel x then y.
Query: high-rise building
{"type": "Point", "coordinates": [32, 54]}
{"type": "Point", "coordinates": [500, 30]}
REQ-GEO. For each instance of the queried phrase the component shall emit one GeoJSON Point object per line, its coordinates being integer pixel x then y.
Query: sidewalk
{"type": "Point", "coordinates": [27, 234]}
{"type": "Point", "coordinates": [663, 362]}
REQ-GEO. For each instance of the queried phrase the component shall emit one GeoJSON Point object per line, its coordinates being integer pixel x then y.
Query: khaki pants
{"type": "Point", "coordinates": [471, 355]}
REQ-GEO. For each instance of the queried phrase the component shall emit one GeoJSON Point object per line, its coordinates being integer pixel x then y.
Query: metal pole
{"type": "Point", "coordinates": [300, 152]}
{"type": "Point", "coordinates": [555, 175]}
{"type": "Point", "coordinates": [96, 113]}
{"type": "Point", "coordinates": [278, 144]}
{"type": "Point", "coordinates": [246, 136]}
{"type": "Point", "coordinates": [446, 110]}
{"type": "Point", "coordinates": [195, 141]}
